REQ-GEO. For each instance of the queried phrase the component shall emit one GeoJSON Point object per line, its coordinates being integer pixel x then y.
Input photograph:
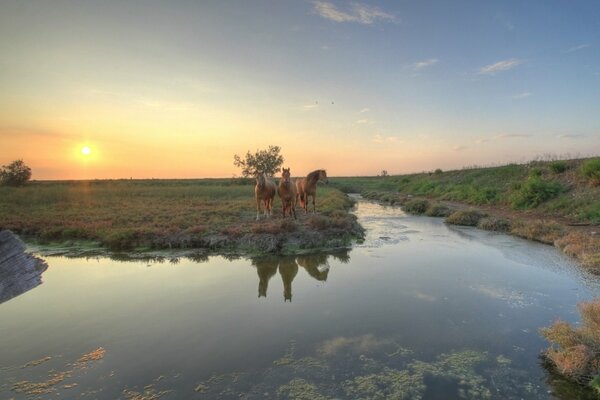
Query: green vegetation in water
{"type": "Point", "coordinates": [465, 217]}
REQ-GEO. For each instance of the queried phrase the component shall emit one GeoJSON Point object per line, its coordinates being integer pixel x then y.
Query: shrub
{"type": "Point", "coordinates": [465, 217]}
{"type": "Point", "coordinates": [438, 210]}
{"type": "Point", "coordinates": [15, 174]}
{"type": "Point", "coordinates": [438, 171]}
{"type": "Point", "coordinates": [535, 172]}
{"type": "Point", "coordinates": [558, 167]}
{"type": "Point", "coordinates": [575, 352]}
{"type": "Point", "coordinates": [494, 224]}
{"type": "Point", "coordinates": [591, 170]}
{"type": "Point", "coordinates": [534, 192]}
{"type": "Point", "coordinates": [416, 206]}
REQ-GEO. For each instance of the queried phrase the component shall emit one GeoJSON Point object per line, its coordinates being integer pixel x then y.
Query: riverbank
{"type": "Point", "coordinates": [553, 202]}
{"type": "Point", "coordinates": [189, 217]}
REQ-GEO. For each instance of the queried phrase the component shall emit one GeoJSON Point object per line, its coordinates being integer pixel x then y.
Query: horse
{"type": "Point", "coordinates": [308, 187]}
{"type": "Point", "coordinates": [287, 193]}
{"type": "Point", "coordinates": [264, 191]}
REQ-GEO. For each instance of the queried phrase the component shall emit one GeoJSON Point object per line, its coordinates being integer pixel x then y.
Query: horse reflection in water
{"type": "Point", "coordinates": [316, 265]}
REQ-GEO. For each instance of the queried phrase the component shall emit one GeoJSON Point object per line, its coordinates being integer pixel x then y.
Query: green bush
{"type": "Point", "coordinates": [438, 210]}
{"type": "Point", "coordinates": [438, 171]}
{"type": "Point", "coordinates": [591, 170]}
{"type": "Point", "coordinates": [465, 217]}
{"type": "Point", "coordinates": [416, 206]}
{"type": "Point", "coordinates": [535, 172]}
{"type": "Point", "coordinates": [534, 192]}
{"type": "Point", "coordinates": [558, 167]}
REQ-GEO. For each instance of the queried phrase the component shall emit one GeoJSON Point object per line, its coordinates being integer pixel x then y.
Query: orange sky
{"type": "Point", "coordinates": [175, 89]}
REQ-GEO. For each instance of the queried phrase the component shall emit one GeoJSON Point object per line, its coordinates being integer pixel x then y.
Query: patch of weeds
{"type": "Point", "coordinates": [534, 192]}
{"type": "Point", "coordinates": [438, 210]}
{"type": "Point", "coordinates": [465, 217]}
{"type": "Point", "coordinates": [558, 167]}
{"type": "Point", "coordinates": [300, 389]}
{"type": "Point", "coordinates": [574, 352]}
{"type": "Point", "coordinates": [590, 169]}
{"type": "Point", "coordinates": [541, 231]}
{"type": "Point", "coordinates": [494, 224]}
{"type": "Point", "coordinates": [416, 206]}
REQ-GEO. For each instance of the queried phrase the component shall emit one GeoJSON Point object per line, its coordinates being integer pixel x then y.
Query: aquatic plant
{"type": "Point", "coordinates": [494, 224]}
{"type": "Point", "coordinates": [416, 206]}
{"type": "Point", "coordinates": [575, 351]}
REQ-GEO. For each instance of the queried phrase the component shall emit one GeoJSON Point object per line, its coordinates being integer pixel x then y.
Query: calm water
{"type": "Point", "coordinates": [420, 310]}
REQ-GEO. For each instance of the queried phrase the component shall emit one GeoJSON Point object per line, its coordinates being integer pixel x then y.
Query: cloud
{"type": "Point", "coordinates": [482, 140]}
{"type": "Point", "coordinates": [503, 65]}
{"type": "Point", "coordinates": [579, 47]}
{"type": "Point", "coordinates": [355, 344]}
{"type": "Point", "coordinates": [386, 139]}
{"type": "Point", "coordinates": [511, 135]}
{"type": "Point", "coordinates": [571, 136]}
{"type": "Point", "coordinates": [310, 106]}
{"type": "Point", "coordinates": [522, 95]}
{"type": "Point", "coordinates": [362, 121]}
{"type": "Point", "coordinates": [360, 13]}
{"type": "Point", "coordinates": [364, 110]}
{"type": "Point", "coordinates": [459, 148]}
{"type": "Point", "coordinates": [424, 64]}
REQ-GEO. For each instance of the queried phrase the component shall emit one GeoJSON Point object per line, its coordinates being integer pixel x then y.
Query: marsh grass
{"type": "Point", "coordinates": [126, 214]}
{"type": "Point", "coordinates": [575, 351]}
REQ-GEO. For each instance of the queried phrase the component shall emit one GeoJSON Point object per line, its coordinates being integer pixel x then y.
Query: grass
{"type": "Point", "coordinates": [126, 214]}
{"type": "Point", "coordinates": [559, 188]}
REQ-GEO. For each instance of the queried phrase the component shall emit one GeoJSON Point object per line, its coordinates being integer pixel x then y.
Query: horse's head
{"type": "Point", "coordinates": [323, 176]}
{"type": "Point", "coordinates": [260, 179]}
{"type": "Point", "coordinates": [285, 175]}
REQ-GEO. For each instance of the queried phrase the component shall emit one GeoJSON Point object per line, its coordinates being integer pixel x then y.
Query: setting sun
{"type": "Point", "coordinates": [85, 150]}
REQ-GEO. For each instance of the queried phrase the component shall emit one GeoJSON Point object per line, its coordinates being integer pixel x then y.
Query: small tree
{"type": "Point", "coordinates": [15, 174]}
{"type": "Point", "coordinates": [384, 172]}
{"type": "Point", "coordinates": [268, 161]}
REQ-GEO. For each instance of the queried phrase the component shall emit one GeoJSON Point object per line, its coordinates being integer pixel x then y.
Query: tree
{"type": "Point", "coordinates": [268, 161]}
{"type": "Point", "coordinates": [384, 172]}
{"type": "Point", "coordinates": [15, 174]}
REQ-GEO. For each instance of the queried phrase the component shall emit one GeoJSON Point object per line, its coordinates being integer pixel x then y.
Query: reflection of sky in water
{"type": "Point", "coordinates": [447, 304]}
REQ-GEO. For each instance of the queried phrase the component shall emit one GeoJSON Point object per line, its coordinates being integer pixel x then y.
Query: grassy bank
{"type": "Point", "coordinates": [555, 202]}
{"type": "Point", "coordinates": [158, 214]}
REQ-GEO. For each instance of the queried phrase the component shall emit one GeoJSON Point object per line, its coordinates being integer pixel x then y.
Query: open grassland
{"type": "Point", "coordinates": [555, 202]}
{"type": "Point", "coordinates": [155, 214]}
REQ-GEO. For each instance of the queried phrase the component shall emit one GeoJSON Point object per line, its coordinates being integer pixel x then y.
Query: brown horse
{"type": "Point", "coordinates": [308, 187]}
{"type": "Point", "coordinates": [264, 191]}
{"type": "Point", "coordinates": [287, 193]}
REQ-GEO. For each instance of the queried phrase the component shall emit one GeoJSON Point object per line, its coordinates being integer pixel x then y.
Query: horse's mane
{"type": "Point", "coordinates": [312, 175]}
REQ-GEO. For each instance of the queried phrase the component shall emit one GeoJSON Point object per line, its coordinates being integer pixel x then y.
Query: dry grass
{"type": "Point", "coordinates": [575, 352]}
{"type": "Point", "coordinates": [465, 217]}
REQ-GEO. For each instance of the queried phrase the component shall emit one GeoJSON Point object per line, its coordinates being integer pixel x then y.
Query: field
{"type": "Point", "coordinates": [157, 214]}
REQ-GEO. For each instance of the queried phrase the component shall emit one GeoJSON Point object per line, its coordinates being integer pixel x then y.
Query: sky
{"type": "Point", "coordinates": [174, 89]}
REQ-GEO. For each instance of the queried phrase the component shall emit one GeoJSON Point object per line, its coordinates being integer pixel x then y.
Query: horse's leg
{"type": "Point", "coordinates": [257, 208]}
{"type": "Point", "coordinates": [266, 208]}
{"type": "Point", "coordinates": [314, 196]}
{"type": "Point", "coordinates": [293, 207]}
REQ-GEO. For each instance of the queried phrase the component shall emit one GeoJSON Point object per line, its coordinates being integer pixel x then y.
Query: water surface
{"type": "Point", "coordinates": [419, 310]}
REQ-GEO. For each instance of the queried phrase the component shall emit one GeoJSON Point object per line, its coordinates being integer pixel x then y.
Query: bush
{"type": "Point", "coordinates": [438, 210]}
{"type": "Point", "coordinates": [416, 206]}
{"type": "Point", "coordinates": [558, 167]}
{"type": "Point", "coordinates": [541, 231]}
{"type": "Point", "coordinates": [465, 217]}
{"type": "Point", "coordinates": [15, 174]}
{"type": "Point", "coordinates": [591, 170]}
{"type": "Point", "coordinates": [575, 352]}
{"type": "Point", "coordinates": [534, 192]}
{"type": "Point", "coordinates": [438, 171]}
{"type": "Point", "coordinates": [494, 224]}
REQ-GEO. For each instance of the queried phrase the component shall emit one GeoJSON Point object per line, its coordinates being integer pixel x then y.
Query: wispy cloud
{"type": "Point", "coordinates": [360, 13]}
{"type": "Point", "coordinates": [511, 136]}
{"type": "Point", "coordinates": [503, 65]}
{"type": "Point", "coordinates": [364, 110]}
{"type": "Point", "coordinates": [424, 64]}
{"type": "Point", "coordinates": [310, 106]}
{"type": "Point", "coordinates": [522, 95]}
{"type": "Point", "coordinates": [386, 139]}
{"type": "Point", "coordinates": [579, 47]}
{"type": "Point", "coordinates": [459, 148]}
{"type": "Point", "coordinates": [362, 121]}
{"type": "Point", "coordinates": [482, 140]}
{"type": "Point", "coordinates": [571, 136]}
